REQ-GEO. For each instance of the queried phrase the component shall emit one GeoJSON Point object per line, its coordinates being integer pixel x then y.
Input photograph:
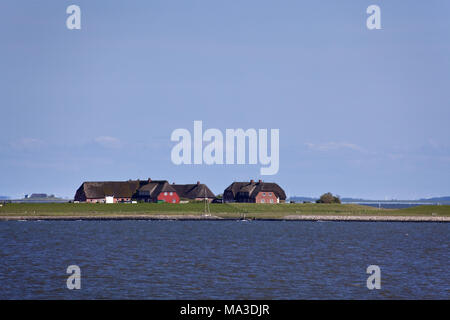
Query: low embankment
{"type": "Point", "coordinates": [197, 210]}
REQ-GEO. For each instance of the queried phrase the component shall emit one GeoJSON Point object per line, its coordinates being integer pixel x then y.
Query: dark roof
{"type": "Point", "coordinates": [156, 187]}
{"type": "Point", "coordinates": [192, 191]}
{"type": "Point", "coordinates": [130, 189]}
{"type": "Point", "coordinates": [253, 188]}
{"type": "Point", "coordinates": [101, 189]}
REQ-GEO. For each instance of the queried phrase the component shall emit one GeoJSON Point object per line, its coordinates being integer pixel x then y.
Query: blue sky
{"type": "Point", "coordinates": [361, 113]}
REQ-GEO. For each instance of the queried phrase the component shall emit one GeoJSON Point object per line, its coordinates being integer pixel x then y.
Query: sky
{"type": "Point", "coordinates": [361, 113]}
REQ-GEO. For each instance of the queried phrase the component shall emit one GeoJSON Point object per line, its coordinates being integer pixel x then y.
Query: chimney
{"type": "Point", "coordinates": [259, 180]}
{"type": "Point", "coordinates": [149, 180]}
{"type": "Point", "coordinates": [198, 182]}
{"type": "Point", "coordinates": [251, 181]}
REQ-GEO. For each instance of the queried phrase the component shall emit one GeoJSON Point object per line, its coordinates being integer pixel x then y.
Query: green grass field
{"type": "Point", "coordinates": [232, 210]}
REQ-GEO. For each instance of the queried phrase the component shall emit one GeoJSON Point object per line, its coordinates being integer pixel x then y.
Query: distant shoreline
{"type": "Point", "coordinates": [216, 218]}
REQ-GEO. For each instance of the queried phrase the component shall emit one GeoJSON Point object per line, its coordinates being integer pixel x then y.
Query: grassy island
{"type": "Point", "coordinates": [219, 211]}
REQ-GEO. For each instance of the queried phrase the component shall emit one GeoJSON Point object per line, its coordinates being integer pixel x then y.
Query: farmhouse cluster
{"type": "Point", "coordinates": [162, 191]}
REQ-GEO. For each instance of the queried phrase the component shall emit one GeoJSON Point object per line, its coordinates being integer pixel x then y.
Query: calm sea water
{"type": "Point", "coordinates": [223, 260]}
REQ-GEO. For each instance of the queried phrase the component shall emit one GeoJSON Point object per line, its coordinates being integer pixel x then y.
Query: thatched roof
{"type": "Point", "coordinates": [136, 188]}
{"type": "Point", "coordinates": [156, 187]}
{"type": "Point", "coordinates": [193, 191]}
{"type": "Point", "coordinates": [253, 188]}
{"type": "Point", "coordinates": [101, 189]}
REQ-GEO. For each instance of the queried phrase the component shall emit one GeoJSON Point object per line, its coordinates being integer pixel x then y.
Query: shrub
{"type": "Point", "coordinates": [328, 198]}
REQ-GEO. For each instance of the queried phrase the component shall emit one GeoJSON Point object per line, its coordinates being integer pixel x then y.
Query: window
{"type": "Point", "coordinates": [263, 201]}
{"type": "Point", "coordinates": [173, 200]}
{"type": "Point", "coordinates": [271, 200]}
{"type": "Point", "coordinates": [270, 193]}
{"type": "Point", "coordinates": [264, 194]}
{"type": "Point", "coordinates": [165, 193]}
{"type": "Point", "coordinates": [171, 193]}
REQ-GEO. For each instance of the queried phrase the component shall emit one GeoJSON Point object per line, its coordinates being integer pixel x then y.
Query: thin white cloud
{"type": "Point", "coordinates": [27, 144]}
{"type": "Point", "coordinates": [332, 146]}
{"type": "Point", "coordinates": [108, 142]}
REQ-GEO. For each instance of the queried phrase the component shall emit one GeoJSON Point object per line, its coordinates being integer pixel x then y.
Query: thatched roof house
{"type": "Point", "coordinates": [198, 191]}
{"type": "Point", "coordinates": [155, 190]}
{"type": "Point", "coordinates": [124, 191]}
{"type": "Point", "coordinates": [97, 191]}
{"type": "Point", "coordinates": [258, 192]}
{"type": "Point", "coordinates": [142, 190]}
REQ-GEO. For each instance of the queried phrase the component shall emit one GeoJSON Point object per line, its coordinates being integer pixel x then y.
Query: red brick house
{"type": "Point", "coordinates": [159, 190]}
{"type": "Point", "coordinates": [254, 192]}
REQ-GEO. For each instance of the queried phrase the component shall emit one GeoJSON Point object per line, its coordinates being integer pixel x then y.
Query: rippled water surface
{"type": "Point", "coordinates": [223, 260]}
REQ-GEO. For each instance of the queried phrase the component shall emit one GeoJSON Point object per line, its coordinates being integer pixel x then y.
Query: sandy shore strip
{"type": "Point", "coordinates": [202, 217]}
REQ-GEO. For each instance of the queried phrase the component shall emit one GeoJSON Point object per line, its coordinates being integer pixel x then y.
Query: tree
{"type": "Point", "coordinates": [328, 198]}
